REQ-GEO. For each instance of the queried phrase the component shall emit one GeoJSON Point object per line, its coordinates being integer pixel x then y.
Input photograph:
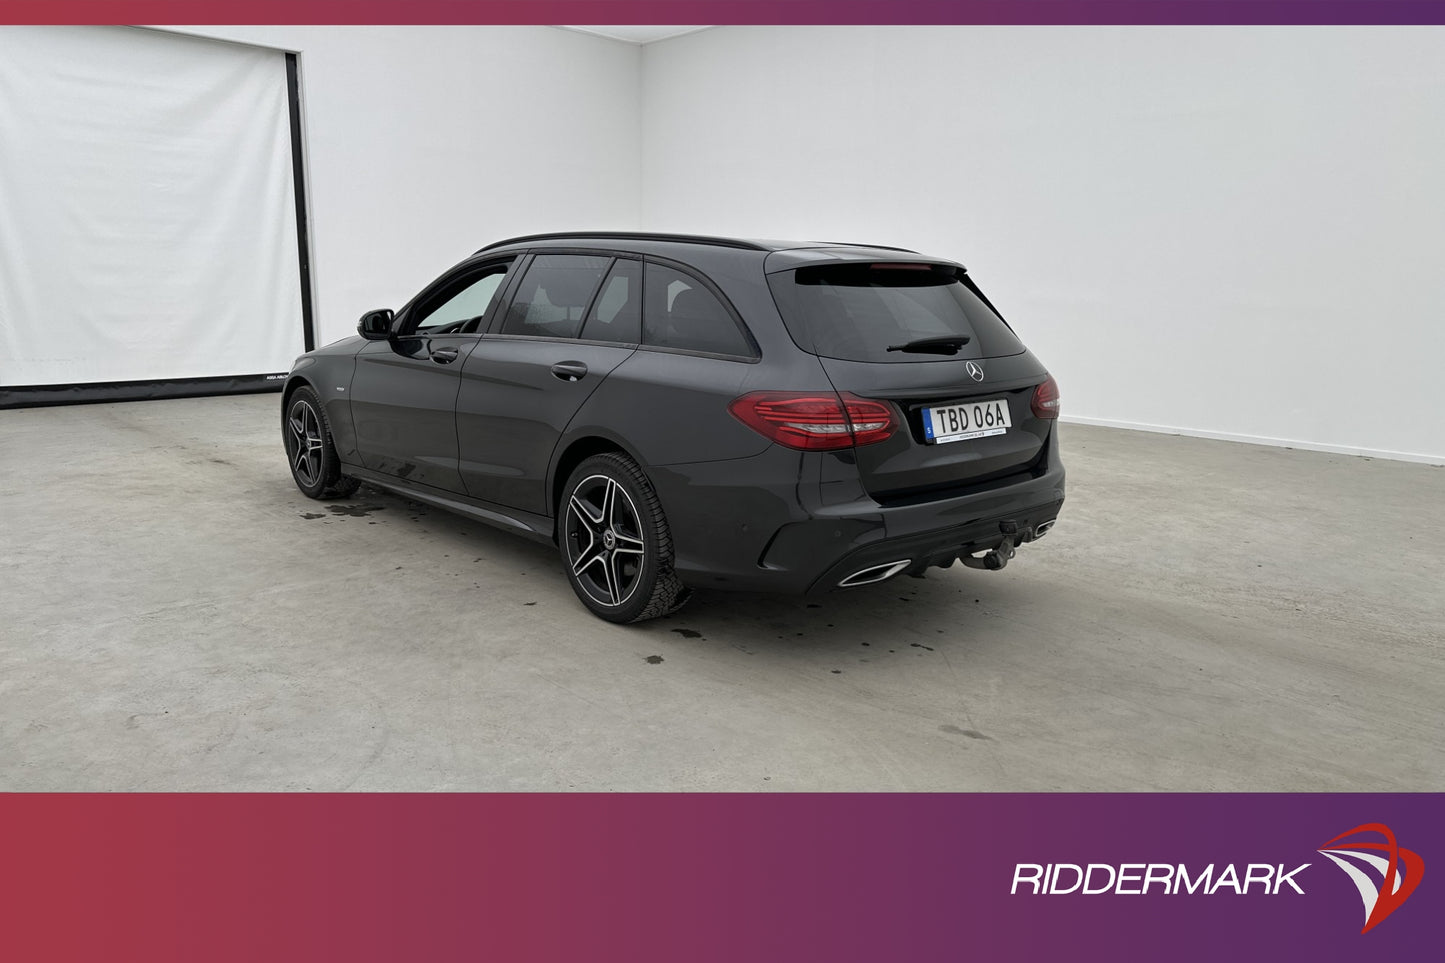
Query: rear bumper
{"type": "Point", "coordinates": [940, 546]}
{"type": "Point", "coordinates": [731, 532]}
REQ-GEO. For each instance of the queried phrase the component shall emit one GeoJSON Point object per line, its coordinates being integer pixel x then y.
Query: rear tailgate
{"type": "Point", "coordinates": [921, 336]}
{"type": "Point", "coordinates": [910, 462]}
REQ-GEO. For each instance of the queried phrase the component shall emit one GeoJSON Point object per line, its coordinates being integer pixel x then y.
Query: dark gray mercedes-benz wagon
{"type": "Point", "coordinates": [681, 412]}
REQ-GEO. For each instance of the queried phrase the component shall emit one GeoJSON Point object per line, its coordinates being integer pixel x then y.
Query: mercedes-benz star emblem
{"type": "Point", "coordinates": [975, 371]}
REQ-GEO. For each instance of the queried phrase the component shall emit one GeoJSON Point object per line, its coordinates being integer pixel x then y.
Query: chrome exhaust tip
{"type": "Point", "coordinates": [875, 573]}
{"type": "Point", "coordinates": [1043, 528]}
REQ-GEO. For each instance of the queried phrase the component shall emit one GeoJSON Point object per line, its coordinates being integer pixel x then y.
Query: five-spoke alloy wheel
{"type": "Point", "coordinates": [615, 541]}
{"type": "Point", "coordinates": [606, 550]}
{"type": "Point", "coordinates": [314, 464]}
{"type": "Point", "coordinates": [304, 443]}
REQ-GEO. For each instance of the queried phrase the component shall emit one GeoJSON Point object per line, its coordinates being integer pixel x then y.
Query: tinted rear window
{"type": "Point", "coordinates": [857, 311]}
{"type": "Point", "coordinates": [553, 294]}
{"type": "Point", "coordinates": [616, 313]}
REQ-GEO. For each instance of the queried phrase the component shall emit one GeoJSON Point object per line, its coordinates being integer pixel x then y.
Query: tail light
{"type": "Point", "coordinates": [815, 421]}
{"type": "Point", "coordinates": [1046, 399]}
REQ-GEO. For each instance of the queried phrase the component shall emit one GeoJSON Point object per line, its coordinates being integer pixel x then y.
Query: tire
{"type": "Point", "coordinates": [616, 546]}
{"type": "Point", "coordinates": [315, 467]}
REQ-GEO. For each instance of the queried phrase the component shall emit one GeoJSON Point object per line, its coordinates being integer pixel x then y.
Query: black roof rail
{"type": "Point", "coordinates": [631, 236]}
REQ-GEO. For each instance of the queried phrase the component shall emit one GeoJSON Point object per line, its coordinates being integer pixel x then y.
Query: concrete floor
{"type": "Point", "coordinates": [1206, 616]}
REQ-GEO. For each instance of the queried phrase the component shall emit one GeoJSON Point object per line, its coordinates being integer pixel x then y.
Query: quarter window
{"type": "Point", "coordinates": [554, 294]}
{"type": "Point", "coordinates": [681, 313]}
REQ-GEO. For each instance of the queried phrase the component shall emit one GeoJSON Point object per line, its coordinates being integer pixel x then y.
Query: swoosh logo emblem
{"type": "Point", "coordinates": [1399, 870]}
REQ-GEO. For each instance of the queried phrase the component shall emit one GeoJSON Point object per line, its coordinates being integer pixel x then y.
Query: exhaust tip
{"type": "Point", "coordinates": [1043, 528]}
{"type": "Point", "coordinates": [875, 573]}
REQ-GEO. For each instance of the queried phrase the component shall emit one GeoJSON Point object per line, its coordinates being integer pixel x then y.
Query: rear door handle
{"type": "Point", "coordinates": [444, 355]}
{"type": "Point", "coordinates": [569, 370]}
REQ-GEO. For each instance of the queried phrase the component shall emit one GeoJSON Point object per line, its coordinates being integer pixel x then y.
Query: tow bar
{"type": "Point", "coordinates": [996, 558]}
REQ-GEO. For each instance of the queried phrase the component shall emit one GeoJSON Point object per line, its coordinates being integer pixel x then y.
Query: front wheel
{"type": "Point", "coordinates": [314, 462]}
{"type": "Point", "coordinates": [615, 542]}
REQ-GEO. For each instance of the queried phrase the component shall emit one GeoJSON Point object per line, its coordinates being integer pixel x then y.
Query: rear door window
{"type": "Point", "coordinates": [553, 295]}
{"type": "Point", "coordinates": [856, 312]}
{"type": "Point", "coordinates": [616, 315]}
{"type": "Point", "coordinates": [680, 312]}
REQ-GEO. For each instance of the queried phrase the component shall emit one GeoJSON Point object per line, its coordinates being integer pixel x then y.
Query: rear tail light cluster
{"type": "Point", "coordinates": [815, 421]}
{"type": "Point", "coordinates": [1046, 399]}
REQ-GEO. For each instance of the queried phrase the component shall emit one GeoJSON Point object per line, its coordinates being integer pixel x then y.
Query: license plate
{"type": "Point", "coordinates": [977, 419]}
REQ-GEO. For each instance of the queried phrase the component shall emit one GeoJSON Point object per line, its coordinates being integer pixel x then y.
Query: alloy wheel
{"type": "Point", "coordinates": [303, 436]}
{"type": "Point", "coordinates": [604, 540]}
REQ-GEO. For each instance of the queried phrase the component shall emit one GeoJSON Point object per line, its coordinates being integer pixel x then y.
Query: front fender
{"type": "Point", "coordinates": [330, 379]}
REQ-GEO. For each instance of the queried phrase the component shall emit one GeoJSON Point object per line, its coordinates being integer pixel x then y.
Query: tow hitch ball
{"type": "Point", "coordinates": [996, 558]}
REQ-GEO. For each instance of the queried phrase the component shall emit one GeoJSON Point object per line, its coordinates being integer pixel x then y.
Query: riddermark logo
{"type": "Point", "coordinates": [1400, 871]}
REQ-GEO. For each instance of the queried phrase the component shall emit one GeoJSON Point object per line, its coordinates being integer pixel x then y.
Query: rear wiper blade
{"type": "Point", "coordinates": [948, 344]}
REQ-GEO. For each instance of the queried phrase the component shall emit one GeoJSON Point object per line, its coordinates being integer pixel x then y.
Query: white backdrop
{"type": "Point", "coordinates": [1229, 231]}
{"type": "Point", "coordinates": [425, 143]}
{"type": "Point", "coordinates": [1225, 231]}
{"type": "Point", "coordinates": [147, 210]}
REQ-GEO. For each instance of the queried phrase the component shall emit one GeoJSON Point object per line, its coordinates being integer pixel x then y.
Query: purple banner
{"type": "Point", "coordinates": [722, 878]}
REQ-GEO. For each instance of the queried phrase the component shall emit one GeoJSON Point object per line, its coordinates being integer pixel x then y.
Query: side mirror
{"type": "Point", "coordinates": [376, 325]}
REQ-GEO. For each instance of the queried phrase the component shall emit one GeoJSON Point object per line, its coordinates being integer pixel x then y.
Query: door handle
{"type": "Point", "coordinates": [569, 370]}
{"type": "Point", "coordinates": [444, 355]}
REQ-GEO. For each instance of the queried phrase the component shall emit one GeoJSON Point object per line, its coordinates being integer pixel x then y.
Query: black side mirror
{"type": "Point", "coordinates": [376, 325]}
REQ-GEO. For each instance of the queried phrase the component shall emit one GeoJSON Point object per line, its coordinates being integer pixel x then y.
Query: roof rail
{"type": "Point", "coordinates": [631, 236]}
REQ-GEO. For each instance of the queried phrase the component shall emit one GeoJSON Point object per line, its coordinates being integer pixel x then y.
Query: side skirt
{"type": "Point", "coordinates": [538, 528]}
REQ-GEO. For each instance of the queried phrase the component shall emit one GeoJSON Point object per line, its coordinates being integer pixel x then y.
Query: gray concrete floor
{"type": "Point", "coordinates": [1206, 616]}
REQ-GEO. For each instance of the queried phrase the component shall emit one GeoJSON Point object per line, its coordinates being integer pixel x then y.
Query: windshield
{"type": "Point", "coordinates": [857, 312]}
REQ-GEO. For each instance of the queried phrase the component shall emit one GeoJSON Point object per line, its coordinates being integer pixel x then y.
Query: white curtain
{"type": "Point", "coordinates": [147, 208]}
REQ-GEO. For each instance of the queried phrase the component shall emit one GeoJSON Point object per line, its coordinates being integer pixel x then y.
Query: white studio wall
{"type": "Point", "coordinates": [1230, 232]}
{"type": "Point", "coordinates": [425, 143]}
{"type": "Point", "coordinates": [1223, 231]}
{"type": "Point", "coordinates": [147, 212]}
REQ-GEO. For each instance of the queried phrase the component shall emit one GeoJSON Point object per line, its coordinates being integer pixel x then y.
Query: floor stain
{"type": "Point", "coordinates": [653, 660]}
{"type": "Point", "coordinates": [312, 515]}
{"type": "Point", "coordinates": [920, 645]}
{"type": "Point", "coordinates": [688, 633]}
{"type": "Point", "coordinates": [356, 511]}
{"type": "Point", "coordinates": [970, 733]}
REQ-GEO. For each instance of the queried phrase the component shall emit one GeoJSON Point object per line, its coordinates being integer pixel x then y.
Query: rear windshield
{"type": "Point", "coordinates": [856, 312]}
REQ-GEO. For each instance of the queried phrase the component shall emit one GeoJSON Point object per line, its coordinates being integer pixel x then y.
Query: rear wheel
{"type": "Point", "coordinates": [315, 466]}
{"type": "Point", "coordinates": [615, 542]}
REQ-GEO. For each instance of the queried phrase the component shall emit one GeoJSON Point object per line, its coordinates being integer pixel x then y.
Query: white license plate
{"type": "Point", "coordinates": [977, 419]}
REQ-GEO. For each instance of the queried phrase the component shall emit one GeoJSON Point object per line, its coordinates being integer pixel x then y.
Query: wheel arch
{"type": "Point", "coordinates": [292, 383]}
{"type": "Point", "coordinates": [576, 451]}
